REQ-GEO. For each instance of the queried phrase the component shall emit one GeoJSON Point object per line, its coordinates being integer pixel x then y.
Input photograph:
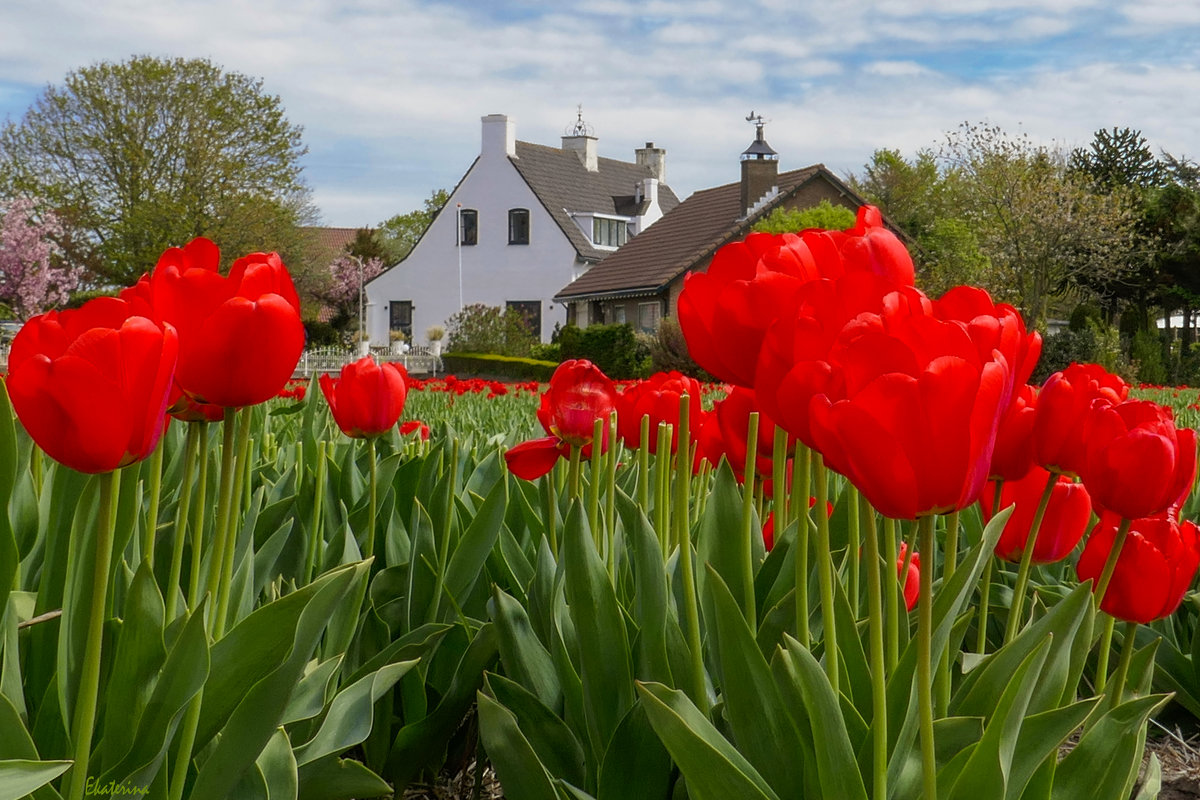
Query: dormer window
{"type": "Point", "coordinates": [468, 226]}
{"type": "Point", "coordinates": [518, 226]}
{"type": "Point", "coordinates": [609, 232]}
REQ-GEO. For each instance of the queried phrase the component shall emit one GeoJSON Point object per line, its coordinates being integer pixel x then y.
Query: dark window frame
{"type": "Point", "coordinates": [518, 226]}
{"type": "Point", "coordinates": [468, 234]}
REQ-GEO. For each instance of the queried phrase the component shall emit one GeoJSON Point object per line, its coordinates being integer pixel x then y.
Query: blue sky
{"type": "Point", "coordinates": [390, 92]}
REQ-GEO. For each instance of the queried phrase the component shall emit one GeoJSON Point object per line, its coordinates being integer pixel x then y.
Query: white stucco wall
{"type": "Point", "coordinates": [493, 271]}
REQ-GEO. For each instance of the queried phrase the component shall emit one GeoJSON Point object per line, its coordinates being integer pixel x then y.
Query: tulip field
{"type": "Point", "coordinates": [873, 562]}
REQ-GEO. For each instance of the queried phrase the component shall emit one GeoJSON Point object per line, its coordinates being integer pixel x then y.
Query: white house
{"type": "Point", "coordinates": [523, 221]}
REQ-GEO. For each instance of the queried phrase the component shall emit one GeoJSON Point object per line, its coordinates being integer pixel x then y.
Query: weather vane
{"type": "Point", "coordinates": [580, 128]}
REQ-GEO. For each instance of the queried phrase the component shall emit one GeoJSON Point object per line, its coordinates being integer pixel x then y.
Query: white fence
{"type": "Point", "coordinates": [417, 360]}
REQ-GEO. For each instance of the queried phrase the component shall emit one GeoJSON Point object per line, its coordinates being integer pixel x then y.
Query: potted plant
{"type": "Point", "coordinates": [399, 342]}
{"type": "Point", "coordinates": [435, 334]}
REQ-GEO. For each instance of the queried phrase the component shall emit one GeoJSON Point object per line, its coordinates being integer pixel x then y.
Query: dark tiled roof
{"type": "Point", "coordinates": [326, 244]}
{"type": "Point", "coordinates": [684, 238]}
{"type": "Point", "coordinates": [564, 185]}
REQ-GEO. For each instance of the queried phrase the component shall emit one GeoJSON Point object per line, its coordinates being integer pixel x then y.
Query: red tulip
{"type": "Point", "coordinates": [1063, 525]}
{"type": "Point", "coordinates": [916, 429]}
{"type": "Point", "coordinates": [415, 426]}
{"type": "Point", "coordinates": [579, 394]}
{"type": "Point", "coordinates": [1156, 565]}
{"type": "Point", "coordinates": [1138, 464]}
{"type": "Point", "coordinates": [871, 247]}
{"type": "Point", "coordinates": [731, 426]}
{"type": "Point", "coordinates": [910, 578]}
{"type": "Point", "coordinates": [1012, 458]}
{"type": "Point", "coordinates": [1066, 398]}
{"type": "Point", "coordinates": [185, 409]}
{"type": "Point", "coordinates": [91, 385]}
{"type": "Point", "coordinates": [725, 310]}
{"type": "Point", "coordinates": [367, 398]}
{"type": "Point", "coordinates": [993, 326]}
{"type": "Point", "coordinates": [768, 530]}
{"type": "Point", "coordinates": [240, 336]}
{"type": "Point", "coordinates": [657, 397]}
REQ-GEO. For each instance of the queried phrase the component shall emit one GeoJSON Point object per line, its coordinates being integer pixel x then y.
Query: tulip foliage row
{"type": "Point", "coordinates": [662, 595]}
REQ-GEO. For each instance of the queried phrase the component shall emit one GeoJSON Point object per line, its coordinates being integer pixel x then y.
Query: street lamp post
{"type": "Point", "coordinates": [458, 228]}
{"type": "Point", "coordinates": [364, 347]}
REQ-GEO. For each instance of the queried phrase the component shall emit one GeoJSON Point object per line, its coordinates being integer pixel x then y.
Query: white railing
{"type": "Point", "coordinates": [417, 360]}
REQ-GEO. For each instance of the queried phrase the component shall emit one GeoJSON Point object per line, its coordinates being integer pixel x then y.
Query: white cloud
{"type": "Point", "coordinates": [390, 92]}
{"type": "Point", "coordinates": [1162, 13]}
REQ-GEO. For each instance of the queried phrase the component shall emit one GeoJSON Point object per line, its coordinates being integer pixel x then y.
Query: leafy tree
{"type": "Point", "coordinates": [367, 245]}
{"type": "Point", "coordinates": [148, 153]}
{"type": "Point", "coordinates": [32, 278]}
{"type": "Point", "coordinates": [1045, 234]}
{"type": "Point", "coordinates": [792, 220]}
{"type": "Point", "coordinates": [1119, 157]}
{"type": "Point", "coordinates": [480, 328]}
{"type": "Point", "coordinates": [399, 234]}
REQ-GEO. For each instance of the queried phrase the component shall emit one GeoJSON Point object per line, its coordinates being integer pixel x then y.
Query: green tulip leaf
{"type": "Point", "coordinates": [349, 719]}
{"type": "Point", "coordinates": [517, 765]}
{"type": "Point", "coordinates": [1104, 764]}
{"type": "Point", "coordinates": [20, 777]}
{"type": "Point", "coordinates": [468, 559]}
{"type": "Point", "coordinates": [636, 763]}
{"type": "Point", "coordinates": [557, 747]}
{"type": "Point", "coordinates": [333, 778]}
{"type": "Point", "coordinates": [311, 692]}
{"type": "Point", "coordinates": [524, 658]}
{"type": "Point", "coordinates": [713, 767]}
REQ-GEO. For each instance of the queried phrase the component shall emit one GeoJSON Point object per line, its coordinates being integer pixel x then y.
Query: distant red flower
{"type": "Point", "coordinates": [367, 398]}
{"type": "Point", "coordinates": [579, 394]}
{"type": "Point", "coordinates": [1065, 521]}
{"type": "Point", "coordinates": [1156, 566]}
{"type": "Point", "coordinates": [657, 397]}
{"type": "Point", "coordinates": [415, 425]}
{"type": "Point", "coordinates": [90, 385]}
{"type": "Point", "coordinates": [768, 530]}
{"type": "Point", "coordinates": [910, 578]}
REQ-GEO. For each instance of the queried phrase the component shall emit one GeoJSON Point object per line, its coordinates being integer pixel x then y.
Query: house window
{"type": "Point", "coordinates": [518, 226]}
{"type": "Point", "coordinates": [468, 226]}
{"type": "Point", "coordinates": [618, 314]}
{"type": "Point", "coordinates": [648, 314]}
{"type": "Point", "coordinates": [531, 314]}
{"type": "Point", "coordinates": [609, 232]}
{"type": "Point", "coordinates": [400, 316]}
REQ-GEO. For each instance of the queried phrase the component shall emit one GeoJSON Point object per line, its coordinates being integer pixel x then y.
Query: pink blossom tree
{"type": "Point", "coordinates": [343, 289]}
{"type": "Point", "coordinates": [31, 278]}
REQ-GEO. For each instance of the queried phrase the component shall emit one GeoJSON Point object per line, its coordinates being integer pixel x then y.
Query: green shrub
{"type": "Point", "coordinates": [480, 328]}
{"type": "Point", "coordinates": [1094, 344]}
{"type": "Point", "coordinates": [669, 351]}
{"type": "Point", "coordinates": [546, 352]}
{"type": "Point", "coordinates": [615, 349]}
{"type": "Point", "coordinates": [495, 367]}
{"type": "Point", "coordinates": [321, 334]}
{"type": "Point", "coordinates": [1146, 354]}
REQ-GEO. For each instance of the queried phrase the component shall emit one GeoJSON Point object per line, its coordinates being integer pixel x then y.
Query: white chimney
{"type": "Point", "coordinates": [499, 136]}
{"type": "Point", "coordinates": [648, 191]}
{"type": "Point", "coordinates": [654, 158]}
{"type": "Point", "coordinates": [585, 147]}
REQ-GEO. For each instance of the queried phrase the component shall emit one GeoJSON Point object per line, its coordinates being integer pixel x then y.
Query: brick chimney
{"type": "Point", "coordinates": [655, 158]}
{"type": "Point", "coordinates": [760, 168]}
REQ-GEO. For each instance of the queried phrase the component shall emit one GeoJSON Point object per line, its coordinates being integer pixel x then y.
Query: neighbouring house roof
{"type": "Point", "coordinates": [326, 244]}
{"type": "Point", "coordinates": [687, 237]}
{"type": "Point", "coordinates": [564, 186]}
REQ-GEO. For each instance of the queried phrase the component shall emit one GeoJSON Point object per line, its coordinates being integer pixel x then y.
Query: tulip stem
{"type": "Point", "coordinates": [691, 610]}
{"type": "Point", "coordinates": [802, 466]}
{"type": "Point", "coordinates": [181, 520]}
{"type": "Point", "coordinates": [89, 676]}
{"type": "Point", "coordinates": [949, 563]}
{"type": "Point", "coordinates": [240, 473]}
{"type": "Point", "coordinates": [854, 544]}
{"type": "Point", "coordinates": [1018, 600]}
{"type": "Point", "coordinates": [1116, 692]}
{"type": "Point", "coordinates": [985, 586]}
{"type": "Point", "coordinates": [548, 498]}
{"type": "Point", "coordinates": [594, 471]}
{"type": "Point", "coordinates": [224, 498]}
{"type": "Point", "coordinates": [372, 498]}
{"type": "Point", "coordinates": [779, 457]}
{"type": "Point", "coordinates": [662, 474]}
{"type": "Point", "coordinates": [749, 469]}
{"type": "Point", "coordinates": [925, 663]}
{"type": "Point", "coordinates": [199, 514]}
{"type": "Point", "coordinates": [316, 537]}
{"type": "Point", "coordinates": [879, 724]}
{"type": "Point", "coordinates": [156, 467]}
{"type": "Point", "coordinates": [892, 597]}
{"type": "Point", "coordinates": [610, 497]}
{"type": "Point", "coordinates": [574, 469]}
{"type": "Point", "coordinates": [825, 573]}
{"type": "Point", "coordinates": [1110, 564]}
{"type": "Point", "coordinates": [643, 462]}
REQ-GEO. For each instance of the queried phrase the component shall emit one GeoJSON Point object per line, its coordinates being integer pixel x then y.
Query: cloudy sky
{"type": "Point", "coordinates": [390, 92]}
